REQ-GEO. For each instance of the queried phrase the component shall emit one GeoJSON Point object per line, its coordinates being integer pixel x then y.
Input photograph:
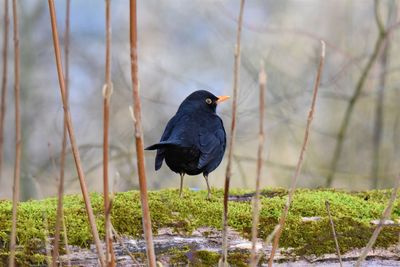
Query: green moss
{"type": "Point", "coordinates": [351, 211]}
{"type": "Point", "coordinates": [184, 256]}
{"type": "Point", "coordinates": [206, 258]}
{"type": "Point", "coordinates": [239, 258]}
{"type": "Point", "coordinates": [178, 256]}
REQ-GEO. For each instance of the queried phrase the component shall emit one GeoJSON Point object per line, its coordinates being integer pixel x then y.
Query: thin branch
{"type": "Point", "coordinates": [350, 107]}
{"type": "Point", "coordinates": [107, 91]}
{"type": "Point", "coordinates": [285, 212]}
{"type": "Point", "coordinates": [121, 242]}
{"type": "Point", "coordinates": [384, 62]}
{"type": "Point", "coordinates": [4, 81]}
{"type": "Point", "coordinates": [60, 193]}
{"type": "Point", "coordinates": [262, 79]}
{"type": "Point", "coordinates": [268, 241]}
{"type": "Point", "coordinates": [379, 116]}
{"type": "Point", "coordinates": [17, 163]}
{"type": "Point", "coordinates": [65, 234]}
{"type": "Point", "coordinates": [378, 18]}
{"type": "Point", "coordinates": [148, 235]}
{"type": "Point", "coordinates": [327, 205]}
{"type": "Point", "coordinates": [74, 146]}
{"type": "Point", "coordinates": [46, 238]}
{"type": "Point", "coordinates": [236, 74]}
{"type": "Point", "coordinates": [385, 216]}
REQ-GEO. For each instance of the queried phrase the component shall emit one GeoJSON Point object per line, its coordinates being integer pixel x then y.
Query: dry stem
{"type": "Point", "coordinates": [17, 135]}
{"type": "Point", "coordinates": [300, 161]}
{"type": "Point", "coordinates": [256, 201]}
{"type": "Point", "coordinates": [74, 146]}
{"type": "Point", "coordinates": [4, 80]}
{"type": "Point", "coordinates": [110, 257]}
{"type": "Point", "coordinates": [151, 257]}
{"type": "Point", "coordinates": [54, 258]}
{"type": "Point", "coordinates": [46, 238]}
{"type": "Point", "coordinates": [228, 174]}
{"type": "Point", "coordinates": [378, 229]}
{"type": "Point", "coordinates": [327, 205]}
{"type": "Point", "coordinates": [67, 251]}
{"type": "Point", "coordinates": [121, 242]}
{"type": "Point", "coordinates": [60, 193]}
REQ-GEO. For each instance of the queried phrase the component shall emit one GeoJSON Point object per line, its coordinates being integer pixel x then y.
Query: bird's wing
{"type": "Point", "coordinates": [164, 141]}
{"type": "Point", "coordinates": [170, 126]}
{"type": "Point", "coordinates": [212, 147]}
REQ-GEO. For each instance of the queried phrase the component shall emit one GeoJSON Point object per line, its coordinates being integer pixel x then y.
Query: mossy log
{"type": "Point", "coordinates": [353, 214]}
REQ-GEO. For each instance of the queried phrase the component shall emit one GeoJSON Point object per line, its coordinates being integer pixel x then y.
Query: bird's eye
{"type": "Point", "coordinates": [208, 101]}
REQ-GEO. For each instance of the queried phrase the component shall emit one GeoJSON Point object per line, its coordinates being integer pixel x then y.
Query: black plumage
{"type": "Point", "coordinates": [194, 140]}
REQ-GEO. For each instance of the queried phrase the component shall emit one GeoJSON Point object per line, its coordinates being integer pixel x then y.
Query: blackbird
{"type": "Point", "coordinates": [194, 140]}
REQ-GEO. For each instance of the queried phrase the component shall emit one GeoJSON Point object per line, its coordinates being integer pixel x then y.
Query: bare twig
{"type": "Point", "coordinates": [4, 80]}
{"type": "Point", "coordinates": [121, 242]}
{"type": "Point", "coordinates": [107, 91]}
{"type": "Point", "coordinates": [46, 238]}
{"type": "Point", "coordinates": [268, 241]}
{"type": "Point", "coordinates": [378, 18]}
{"type": "Point", "coordinates": [55, 258]}
{"type": "Point", "coordinates": [112, 259]}
{"type": "Point", "coordinates": [385, 216]}
{"type": "Point", "coordinates": [300, 161]}
{"type": "Point", "coordinates": [17, 134]}
{"type": "Point", "coordinates": [327, 205]}
{"type": "Point", "coordinates": [262, 79]}
{"type": "Point", "coordinates": [60, 193]}
{"type": "Point", "coordinates": [74, 146]}
{"type": "Point", "coordinates": [67, 251]}
{"type": "Point", "coordinates": [350, 107]}
{"type": "Point", "coordinates": [271, 235]}
{"type": "Point", "coordinates": [151, 257]}
{"type": "Point", "coordinates": [236, 69]}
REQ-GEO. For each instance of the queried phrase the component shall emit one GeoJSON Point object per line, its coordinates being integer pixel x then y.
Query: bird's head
{"type": "Point", "coordinates": [202, 100]}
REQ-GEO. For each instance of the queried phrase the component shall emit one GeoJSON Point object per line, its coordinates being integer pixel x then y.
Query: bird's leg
{"type": "Point", "coordinates": [180, 189]}
{"type": "Point", "coordinates": [208, 187]}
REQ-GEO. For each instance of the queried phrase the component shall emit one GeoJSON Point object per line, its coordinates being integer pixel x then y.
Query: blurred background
{"type": "Point", "coordinates": [188, 45]}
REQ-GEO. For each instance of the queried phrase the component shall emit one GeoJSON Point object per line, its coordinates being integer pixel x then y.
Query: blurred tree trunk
{"type": "Point", "coordinates": [379, 115]}
{"type": "Point", "coordinates": [378, 125]}
{"type": "Point", "coordinates": [344, 125]}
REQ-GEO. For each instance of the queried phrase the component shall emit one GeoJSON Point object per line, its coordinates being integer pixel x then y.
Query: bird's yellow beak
{"type": "Point", "coordinates": [222, 98]}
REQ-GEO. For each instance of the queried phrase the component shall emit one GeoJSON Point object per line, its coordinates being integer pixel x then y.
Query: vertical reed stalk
{"type": "Point", "coordinates": [262, 80]}
{"type": "Point", "coordinates": [148, 235]}
{"type": "Point", "coordinates": [285, 212]}
{"type": "Point", "coordinates": [107, 91]}
{"type": "Point", "coordinates": [17, 134]}
{"type": "Point", "coordinates": [71, 133]}
{"type": "Point", "coordinates": [4, 81]}
{"type": "Point", "coordinates": [228, 174]}
{"type": "Point", "coordinates": [60, 193]}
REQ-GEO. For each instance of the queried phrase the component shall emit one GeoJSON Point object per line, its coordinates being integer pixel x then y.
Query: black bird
{"type": "Point", "coordinates": [194, 140]}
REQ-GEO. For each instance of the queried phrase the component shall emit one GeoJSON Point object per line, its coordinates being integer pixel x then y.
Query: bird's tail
{"type": "Point", "coordinates": [160, 151]}
{"type": "Point", "coordinates": [160, 145]}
